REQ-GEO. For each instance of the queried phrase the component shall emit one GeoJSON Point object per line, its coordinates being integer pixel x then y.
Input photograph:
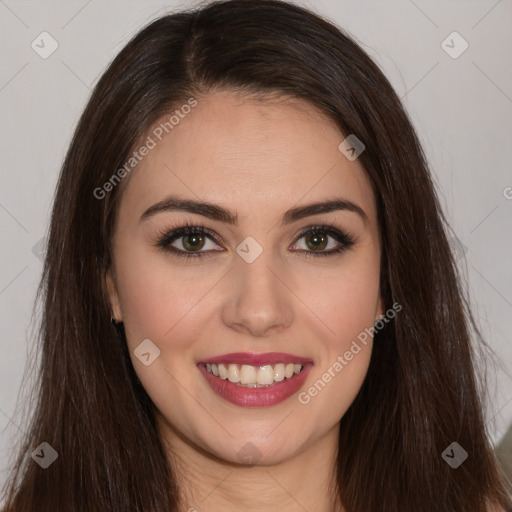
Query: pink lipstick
{"type": "Point", "coordinates": [255, 380]}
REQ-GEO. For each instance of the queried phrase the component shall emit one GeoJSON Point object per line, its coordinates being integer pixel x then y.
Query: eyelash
{"type": "Point", "coordinates": [175, 232]}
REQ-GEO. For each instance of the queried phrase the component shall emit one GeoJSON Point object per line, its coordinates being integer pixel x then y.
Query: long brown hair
{"type": "Point", "coordinates": [422, 391]}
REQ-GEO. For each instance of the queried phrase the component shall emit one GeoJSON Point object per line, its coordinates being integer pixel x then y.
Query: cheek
{"type": "Point", "coordinates": [345, 298]}
{"type": "Point", "coordinates": [156, 295]}
{"type": "Point", "coordinates": [348, 307]}
{"type": "Point", "coordinates": [159, 301]}
{"type": "Point", "coordinates": [344, 358]}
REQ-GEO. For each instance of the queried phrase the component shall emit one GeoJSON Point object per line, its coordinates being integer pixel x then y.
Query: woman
{"type": "Point", "coordinates": [249, 298]}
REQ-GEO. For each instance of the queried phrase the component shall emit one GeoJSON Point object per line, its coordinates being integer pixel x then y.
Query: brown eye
{"type": "Point", "coordinates": [319, 238]}
{"type": "Point", "coordinates": [188, 241]}
{"type": "Point", "coordinates": [193, 242]}
{"type": "Point", "coordinates": [316, 240]}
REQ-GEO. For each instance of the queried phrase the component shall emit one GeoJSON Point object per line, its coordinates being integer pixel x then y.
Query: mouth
{"type": "Point", "coordinates": [253, 380]}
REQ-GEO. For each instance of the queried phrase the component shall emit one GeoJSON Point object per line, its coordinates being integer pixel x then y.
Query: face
{"type": "Point", "coordinates": [263, 293]}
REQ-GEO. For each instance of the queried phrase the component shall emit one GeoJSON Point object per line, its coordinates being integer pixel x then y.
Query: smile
{"type": "Point", "coordinates": [255, 380]}
{"type": "Point", "coordinates": [254, 376]}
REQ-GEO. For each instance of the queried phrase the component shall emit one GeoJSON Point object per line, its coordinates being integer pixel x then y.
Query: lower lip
{"type": "Point", "coordinates": [256, 397]}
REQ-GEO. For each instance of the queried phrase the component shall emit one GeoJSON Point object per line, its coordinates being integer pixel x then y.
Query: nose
{"type": "Point", "coordinates": [259, 300]}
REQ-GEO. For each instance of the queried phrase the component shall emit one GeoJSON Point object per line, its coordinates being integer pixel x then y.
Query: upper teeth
{"type": "Point", "coordinates": [253, 376]}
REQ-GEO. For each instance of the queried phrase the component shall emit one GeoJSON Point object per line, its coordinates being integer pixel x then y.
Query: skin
{"type": "Point", "coordinates": [258, 158]}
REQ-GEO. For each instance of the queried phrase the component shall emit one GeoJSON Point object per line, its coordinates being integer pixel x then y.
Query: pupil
{"type": "Point", "coordinates": [317, 238]}
{"type": "Point", "coordinates": [196, 239]}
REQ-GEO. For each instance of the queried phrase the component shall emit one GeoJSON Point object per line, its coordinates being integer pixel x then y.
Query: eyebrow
{"type": "Point", "coordinates": [216, 212]}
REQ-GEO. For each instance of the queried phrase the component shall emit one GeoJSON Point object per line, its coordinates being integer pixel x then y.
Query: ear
{"type": "Point", "coordinates": [113, 295]}
{"type": "Point", "coordinates": [380, 309]}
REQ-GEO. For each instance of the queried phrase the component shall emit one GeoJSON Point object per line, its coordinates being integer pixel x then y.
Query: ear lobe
{"type": "Point", "coordinates": [380, 309]}
{"type": "Point", "coordinates": [113, 295]}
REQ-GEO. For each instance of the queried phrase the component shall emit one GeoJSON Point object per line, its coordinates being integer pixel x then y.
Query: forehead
{"type": "Point", "coordinates": [255, 156]}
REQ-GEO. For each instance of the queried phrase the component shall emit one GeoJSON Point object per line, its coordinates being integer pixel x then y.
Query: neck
{"type": "Point", "coordinates": [210, 484]}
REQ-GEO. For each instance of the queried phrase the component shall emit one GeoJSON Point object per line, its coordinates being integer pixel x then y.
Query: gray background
{"type": "Point", "coordinates": [461, 108]}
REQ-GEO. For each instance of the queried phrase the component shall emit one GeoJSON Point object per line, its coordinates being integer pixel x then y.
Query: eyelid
{"type": "Point", "coordinates": [344, 238]}
{"type": "Point", "coordinates": [201, 227]}
{"type": "Point", "coordinates": [319, 226]}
